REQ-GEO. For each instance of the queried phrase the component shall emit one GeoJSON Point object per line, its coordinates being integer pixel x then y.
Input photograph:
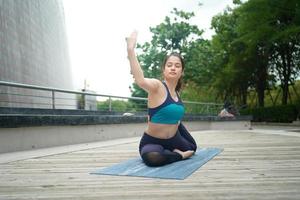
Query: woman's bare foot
{"type": "Point", "coordinates": [184, 154]}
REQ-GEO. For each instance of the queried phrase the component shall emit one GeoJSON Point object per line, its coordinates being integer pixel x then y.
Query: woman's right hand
{"type": "Point", "coordinates": [131, 40]}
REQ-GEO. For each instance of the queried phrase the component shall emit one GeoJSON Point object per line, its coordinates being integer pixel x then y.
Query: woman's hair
{"type": "Point", "coordinates": [180, 81]}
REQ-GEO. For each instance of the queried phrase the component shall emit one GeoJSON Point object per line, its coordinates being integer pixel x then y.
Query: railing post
{"type": "Point", "coordinates": [109, 104]}
{"type": "Point", "coordinates": [53, 99]}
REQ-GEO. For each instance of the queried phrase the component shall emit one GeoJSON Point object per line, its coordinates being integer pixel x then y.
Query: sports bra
{"type": "Point", "coordinates": [169, 112]}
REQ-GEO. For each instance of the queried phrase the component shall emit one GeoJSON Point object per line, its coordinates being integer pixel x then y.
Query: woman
{"type": "Point", "coordinates": [165, 140]}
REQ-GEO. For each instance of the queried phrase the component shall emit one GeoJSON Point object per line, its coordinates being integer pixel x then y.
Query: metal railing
{"type": "Point", "coordinates": [33, 96]}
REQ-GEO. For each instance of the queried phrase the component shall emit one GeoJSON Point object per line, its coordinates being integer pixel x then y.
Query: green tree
{"type": "Point", "coordinates": [285, 43]}
{"type": "Point", "coordinates": [199, 60]}
{"type": "Point", "coordinates": [271, 30]}
{"type": "Point", "coordinates": [232, 71]}
{"type": "Point", "coordinates": [173, 34]}
{"type": "Point", "coordinates": [258, 44]}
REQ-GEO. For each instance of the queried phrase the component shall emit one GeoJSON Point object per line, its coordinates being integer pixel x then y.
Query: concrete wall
{"type": "Point", "coordinates": [27, 138]}
{"type": "Point", "coordinates": [34, 50]}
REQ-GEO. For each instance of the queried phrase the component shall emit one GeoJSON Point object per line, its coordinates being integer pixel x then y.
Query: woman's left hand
{"type": "Point", "coordinates": [131, 40]}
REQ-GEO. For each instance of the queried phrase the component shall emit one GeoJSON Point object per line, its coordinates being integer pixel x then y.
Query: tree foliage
{"type": "Point", "coordinates": [261, 39]}
{"type": "Point", "coordinates": [256, 46]}
{"type": "Point", "coordinates": [173, 34]}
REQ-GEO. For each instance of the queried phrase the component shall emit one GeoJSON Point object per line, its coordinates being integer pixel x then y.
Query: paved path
{"type": "Point", "coordinates": [255, 164]}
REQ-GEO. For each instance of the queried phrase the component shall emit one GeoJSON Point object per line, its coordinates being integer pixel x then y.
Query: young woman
{"type": "Point", "coordinates": [165, 139]}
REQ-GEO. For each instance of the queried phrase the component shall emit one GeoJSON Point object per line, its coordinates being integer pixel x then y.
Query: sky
{"type": "Point", "coordinates": [96, 31]}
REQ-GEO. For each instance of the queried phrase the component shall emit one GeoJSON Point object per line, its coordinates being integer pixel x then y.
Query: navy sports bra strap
{"type": "Point", "coordinates": [164, 83]}
{"type": "Point", "coordinates": [179, 99]}
{"type": "Point", "coordinates": [168, 91]}
{"type": "Point", "coordinates": [169, 94]}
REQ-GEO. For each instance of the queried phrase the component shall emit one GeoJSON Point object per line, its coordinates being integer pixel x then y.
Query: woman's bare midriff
{"type": "Point", "coordinates": [162, 131]}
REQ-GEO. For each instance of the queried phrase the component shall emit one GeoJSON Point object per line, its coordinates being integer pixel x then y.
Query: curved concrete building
{"type": "Point", "coordinates": [33, 50]}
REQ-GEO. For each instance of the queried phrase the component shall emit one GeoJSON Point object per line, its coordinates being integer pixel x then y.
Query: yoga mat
{"type": "Point", "coordinates": [177, 170]}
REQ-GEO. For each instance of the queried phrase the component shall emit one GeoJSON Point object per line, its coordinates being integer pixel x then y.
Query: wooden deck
{"type": "Point", "coordinates": [255, 164]}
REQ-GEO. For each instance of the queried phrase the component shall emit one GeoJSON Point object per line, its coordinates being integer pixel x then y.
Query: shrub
{"type": "Point", "coordinates": [284, 113]}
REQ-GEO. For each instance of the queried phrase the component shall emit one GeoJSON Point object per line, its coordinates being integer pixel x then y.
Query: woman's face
{"type": "Point", "coordinates": [173, 68]}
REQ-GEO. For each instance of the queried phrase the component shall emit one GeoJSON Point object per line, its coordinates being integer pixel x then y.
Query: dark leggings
{"type": "Point", "coordinates": [158, 152]}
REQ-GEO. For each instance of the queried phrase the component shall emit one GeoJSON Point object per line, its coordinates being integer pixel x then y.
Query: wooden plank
{"type": "Point", "coordinates": [253, 165]}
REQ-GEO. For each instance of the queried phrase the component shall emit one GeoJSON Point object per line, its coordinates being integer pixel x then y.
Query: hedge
{"type": "Point", "coordinates": [284, 113]}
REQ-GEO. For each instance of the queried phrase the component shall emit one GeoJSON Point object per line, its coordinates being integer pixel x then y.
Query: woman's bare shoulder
{"type": "Point", "coordinates": [152, 84]}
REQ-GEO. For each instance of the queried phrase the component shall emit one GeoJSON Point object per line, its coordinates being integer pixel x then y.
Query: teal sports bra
{"type": "Point", "coordinates": [169, 112]}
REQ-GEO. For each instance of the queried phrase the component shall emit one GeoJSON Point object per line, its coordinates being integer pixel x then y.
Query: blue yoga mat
{"type": "Point", "coordinates": [177, 170]}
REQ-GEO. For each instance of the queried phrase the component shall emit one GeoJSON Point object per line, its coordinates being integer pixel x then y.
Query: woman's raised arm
{"type": "Point", "coordinates": [147, 84]}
